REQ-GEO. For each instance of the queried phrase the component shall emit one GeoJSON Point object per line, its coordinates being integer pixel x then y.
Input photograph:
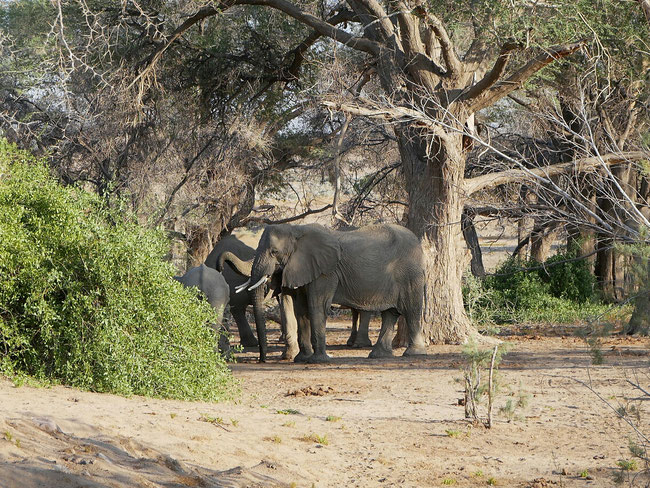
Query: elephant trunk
{"type": "Point", "coordinates": [262, 269]}
{"type": "Point", "coordinates": [244, 268]}
{"type": "Point", "coordinates": [260, 319]}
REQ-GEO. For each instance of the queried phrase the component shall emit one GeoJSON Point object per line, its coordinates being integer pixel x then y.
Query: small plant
{"type": "Point", "coordinates": [477, 474]}
{"type": "Point", "coordinates": [584, 474]}
{"type": "Point", "coordinates": [210, 419]}
{"type": "Point", "coordinates": [479, 363]}
{"type": "Point", "coordinates": [288, 411]}
{"type": "Point", "coordinates": [289, 423]}
{"type": "Point", "coordinates": [172, 415]}
{"type": "Point", "coordinates": [625, 468]}
{"type": "Point", "coordinates": [318, 439]}
{"type": "Point", "coordinates": [234, 422]}
{"type": "Point", "coordinates": [453, 433]}
{"type": "Point", "coordinates": [8, 436]}
{"type": "Point", "coordinates": [276, 439]}
{"type": "Point", "coordinates": [626, 465]}
{"type": "Point", "coordinates": [491, 481]}
{"type": "Point", "coordinates": [332, 418]}
{"type": "Point", "coordinates": [448, 481]}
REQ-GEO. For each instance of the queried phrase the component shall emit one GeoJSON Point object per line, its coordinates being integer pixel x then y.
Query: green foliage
{"type": "Point", "coordinates": [87, 299]}
{"type": "Point", "coordinates": [559, 291]}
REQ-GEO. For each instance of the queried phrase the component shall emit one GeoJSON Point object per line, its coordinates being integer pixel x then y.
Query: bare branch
{"type": "Point", "coordinates": [287, 220]}
{"type": "Point", "coordinates": [492, 76]}
{"type": "Point", "coordinates": [152, 60]}
{"type": "Point", "coordinates": [478, 183]}
{"type": "Point", "coordinates": [454, 65]}
{"type": "Point", "coordinates": [514, 81]}
{"type": "Point", "coordinates": [319, 25]}
{"type": "Point", "coordinates": [394, 114]}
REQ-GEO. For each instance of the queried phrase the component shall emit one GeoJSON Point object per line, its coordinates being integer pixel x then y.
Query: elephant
{"type": "Point", "coordinates": [213, 285]}
{"type": "Point", "coordinates": [238, 301]}
{"type": "Point", "coordinates": [358, 337]}
{"type": "Point", "coordinates": [374, 268]}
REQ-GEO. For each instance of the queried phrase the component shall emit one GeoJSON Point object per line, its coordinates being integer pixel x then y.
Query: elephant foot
{"type": "Point", "coordinates": [319, 358]}
{"type": "Point", "coordinates": [301, 357]}
{"type": "Point", "coordinates": [249, 341]}
{"type": "Point", "coordinates": [380, 352]}
{"type": "Point", "coordinates": [415, 350]}
{"type": "Point", "coordinates": [351, 341]}
{"type": "Point", "coordinates": [290, 353]}
{"type": "Point", "coordinates": [361, 343]}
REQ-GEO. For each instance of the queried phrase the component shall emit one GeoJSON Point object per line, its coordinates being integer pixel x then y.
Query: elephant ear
{"type": "Point", "coordinates": [317, 252]}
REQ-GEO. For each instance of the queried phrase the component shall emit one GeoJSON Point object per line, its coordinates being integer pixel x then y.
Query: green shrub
{"type": "Point", "coordinates": [87, 299]}
{"type": "Point", "coordinates": [521, 291]}
{"type": "Point", "coordinates": [567, 279]}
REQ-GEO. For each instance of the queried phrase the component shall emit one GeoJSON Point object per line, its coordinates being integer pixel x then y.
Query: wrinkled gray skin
{"type": "Point", "coordinates": [213, 285]}
{"type": "Point", "coordinates": [238, 301]}
{"type": "Point", "coordinates": [375, 268]}
{"type": "Point", "coordinates": [289, 325]}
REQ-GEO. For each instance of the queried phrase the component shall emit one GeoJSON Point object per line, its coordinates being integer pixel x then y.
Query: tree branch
{"type": "Point", "coordinates": [267, 221]}
{"type": "Point", "coordinates": [505, 87]}
{"type": "Point", "coordinates": [492, 76]}
{"type": "Point", "coordinates": [343, 15]}
{"type": "Point", "coordinates": [319, 25]}
{"type": "Point", "coordinates": [454, 65]}
{"type": "Point", "coordinates": [393, 114]}
{"type": "Point", "coordinates": [478, 183]}
{"type": "Point", "coordinates": [150, 62]}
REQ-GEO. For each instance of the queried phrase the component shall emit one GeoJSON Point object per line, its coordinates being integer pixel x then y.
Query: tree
{"type": "Point", "coordinates": [433, 94]}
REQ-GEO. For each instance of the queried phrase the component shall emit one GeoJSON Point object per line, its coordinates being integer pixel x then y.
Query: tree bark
{"type": "Point", "coordinates": [471, 239]}
{"type": "Point", "coordinates": [435, 211]}
{"type": "Point", "coordinates": [541, 241]}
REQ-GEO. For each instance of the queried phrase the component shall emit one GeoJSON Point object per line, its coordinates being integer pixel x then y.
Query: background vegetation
{"type": "Point", "coordinates": [87, 299]}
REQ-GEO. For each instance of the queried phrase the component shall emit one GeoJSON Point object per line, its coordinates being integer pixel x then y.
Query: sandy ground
{"type": "Point", "coordinates": [355, 422]}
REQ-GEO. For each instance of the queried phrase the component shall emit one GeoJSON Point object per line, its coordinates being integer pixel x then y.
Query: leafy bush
{"type": "Point", "coordinates": [560, 291]}
{"type": "Point", "coordinates": [87, 299]}
{"type": "Point", "coordinates": [569, 279]}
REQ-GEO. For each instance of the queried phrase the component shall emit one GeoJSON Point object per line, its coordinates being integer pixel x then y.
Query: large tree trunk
{"type": "Point", "coordinates": [433, 182]}
{"type": "Point", "coordinates": [541, 241]}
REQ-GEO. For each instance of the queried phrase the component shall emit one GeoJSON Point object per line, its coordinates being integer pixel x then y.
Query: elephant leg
{"type": "Point", "coordinates": [290, 324]}
{"type": "Point", "coordinates": [283, 320]}
{"type": "Point", "coordinates": [362, 339]}
{"type": "Point", "coordinates": [304, 328]}
{"type": "Point", "coordinates": [318, 306]}
{"type": "Point", "coordinates": [353, 335]}
{"type": "Point", "coordinates": [384, 346]}
{"type": "Point", "coordinates": [246, 337]}
{"type": "Point", "coordinates": [416, 345]}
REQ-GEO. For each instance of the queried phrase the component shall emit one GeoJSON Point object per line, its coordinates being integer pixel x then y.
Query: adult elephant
{"type": "Point", "coordinates": [238, 301]}
{"type": "Point", "coordinates": [289, 326]}
{"type": "Point", "coordinates": [374, 268]}
{"type": "Point", "coordinates": [216, 290]}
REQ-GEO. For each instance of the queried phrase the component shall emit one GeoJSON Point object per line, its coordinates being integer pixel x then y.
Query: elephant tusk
{"type": "Point", "coordinates": [260, 282]}
{"type": "Point", "coordinates": [242, 287]}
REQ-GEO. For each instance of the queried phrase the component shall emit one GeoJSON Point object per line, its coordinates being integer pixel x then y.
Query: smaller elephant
{"type": "Point", "coordinates": [238, 301]}
{"type": "Point", "coordinates": [216, 290]}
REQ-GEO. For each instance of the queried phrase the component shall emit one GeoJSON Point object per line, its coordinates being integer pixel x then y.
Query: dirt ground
{"type": "Point", "coordinates": [355, 422]}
